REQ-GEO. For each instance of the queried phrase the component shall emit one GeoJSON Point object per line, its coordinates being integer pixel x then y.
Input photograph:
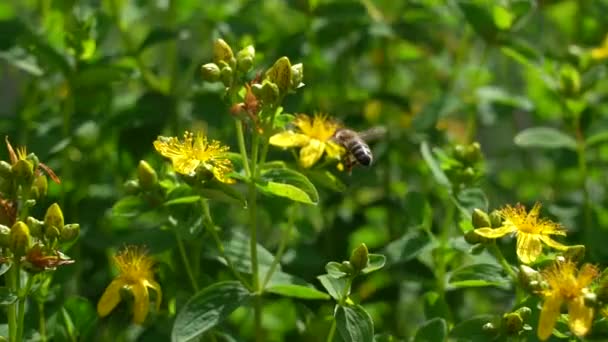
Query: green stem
{"type": "Point", "coordinates": [443, 245]}
{"type": "Point", "coordinates": [253, 246]}
{"type": "Point", "coordinates": [501, 259]}
{"type": "Point", "coordinates": [21, 311]}
{"type": "Point", "coordinates": [332, 331]}
{"type": "Point", "coordinates": [12, 308]}
{"type": "Point", "coordinates": [280, 251]}
{"type": "Point", "coordinates": [182, 252]}
{"type": "Point", "coordinates": [241, 140]}
{"type": "Point", "coordinates": [581, 151]}
{"type": "Point", "coordinates": [41, 322]}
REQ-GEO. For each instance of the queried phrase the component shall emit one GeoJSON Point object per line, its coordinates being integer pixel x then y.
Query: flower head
{"type": "Point", "coordinates": [566, 285]}
{"type": "Point", "coordinates": [21, 156]}
{"type": "Point", "coordinates": [195, 151]}
{"type": "Point", "coordinates": [314, 137]}
{"type": "Point", "coordinates": [531, 231]}
{"type": "Point", "coordinates": [600, 52]}
{"type": "Point", "coordinates": [135, 274]}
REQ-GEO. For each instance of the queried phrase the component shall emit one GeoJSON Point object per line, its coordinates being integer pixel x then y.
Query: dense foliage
{"type": "Point", "coordinates": [191, 173]}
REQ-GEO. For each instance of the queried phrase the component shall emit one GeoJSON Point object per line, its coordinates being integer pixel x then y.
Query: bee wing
{"type": "Point", "coordinates": [374, 133]}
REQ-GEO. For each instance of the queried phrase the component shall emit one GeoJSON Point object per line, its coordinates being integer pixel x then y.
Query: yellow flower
{"type": "Point", "coordinates": [194, 151]}
{"type": "Point", "coordinates": [569, 286]}
{"type": "Point", "coordinates": [314, 137]}
{"type": "Point", "coordinates": [136, 275]}
{"type": "Point", "coordinates": [600, 52]}
{"type": "Point", "coordinates": [530, 230]}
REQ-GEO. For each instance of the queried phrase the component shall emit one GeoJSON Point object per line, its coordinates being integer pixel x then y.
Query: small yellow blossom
{"type": "Point", "coordinates": [135, 274]}
{"type": "Point", "coordinates": [21, 155]}
{"type": "Point", "coordinates": [530, 230]}
{"type": "Point", "coordinates": [566, 285]}
{"type": "Point", "coordinates": [194, 151]}
{"type": "Point", "coordinates": [314, 137]}
{"type": "Point", "coordinates": [600, 52]}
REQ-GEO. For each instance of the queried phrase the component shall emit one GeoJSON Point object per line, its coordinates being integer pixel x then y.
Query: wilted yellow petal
{"type": "Point", "coordinates": [552, 243]}
{"type": "Point", "coordinates": [491, 233]}
{"type": "Point", "coordinates": [141, 302]}
{"type": "Point", "coordinates": [310, 153]}
{"type": "Point", "coordinates": [528, 247]}
{"type": "Point", "coordinates": [110, 297]}
{"type": "Point", "coordinates": [289, 139]}
{"type": "Point", "coordinates": [579, 316]}
{"type": "Point", "coordinates": [548, 316]}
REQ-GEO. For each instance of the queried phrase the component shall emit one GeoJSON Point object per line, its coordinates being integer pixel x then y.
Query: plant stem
{"type": "Point", "coordinates": [280, 251]}
{"type": "Point", "coordinates": [182, 252]}
{"type": "Point", "coordinates": [12, 308]}
{"type": "Point", "coordinates": [253, 238]}
{"type": "Point", "coordinates": [22, 299]}
{"type": "Point", "coordinates": [501, 259]}
{"type": "Point", "coordinates": [41, 322]}
{"type": "Point", "coordinates": [241, 140]}
{"type": "Point", "coordinates": [332, 331]}
{"type": "Point", "coordinates": [443, 243]}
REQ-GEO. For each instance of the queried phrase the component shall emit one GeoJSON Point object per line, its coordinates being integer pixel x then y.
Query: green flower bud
{"type": "Point", "coordinates": [146, 175]}
{"type": "Point", "coordinates": [53, 219]}
{"type": "Point", "coordinates": [473, 153]}
{"type": "Point", "coordinates": [359, 259]}
{"type": "Point", "coordinates": [132, 187]}
{"type": "Point", "coordinates": [226, 76]}
{"type": "Point", "coordinates": [347, 267]}
{"type": "Point", "coordinates": [269, 92]}
{"type": "Point", "coordinates": [211, 72]}
{"type": "Point", "coordinates": [70, 232]}
{"type": "Point", "coordinates": [244, 59]}
{"type": "Point", "coordinates": [40, 186]}
{"type": "Point", "coordinates": [19, 239]}
{"type": "Point", "coordinates": [297, 75]}
{"type": "Point", "coordinates": [512, 323]}
{"type": "Point", "coordinates": [472, 238]}
{"type": "Point", "coordinates": [495, 219]}
{"type": "Point", "coordinates": [23, 170]}
{"type": "Point", "coordinates": [5, 170]}
{"type": "Point", "coordinates": [32, 158]}
{"type": "Point", "coordinates": [280, 74]}
{"type": "Point", "coordinates": [222, 52]}
{"type": "Point", "coordinates": [52, 233]}
{"type": "Point", "coordinates": [480, 219]}
{"type": "Point", "coordinates": [5, 236]}
{"type": "Point", "coordinates": [529, 278]}
{"type": "Point", "coordinates": [524, 312]}
{"type": "Point", "coordinates": [36, 227]}
{"type": "Point", "coordinates": [460, 152]}
{"type": "Point", "coordinates": [570, 80]}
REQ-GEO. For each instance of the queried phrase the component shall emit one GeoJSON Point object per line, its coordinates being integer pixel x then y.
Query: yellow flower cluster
{"type": "Point", "coordinates": [313, 135]}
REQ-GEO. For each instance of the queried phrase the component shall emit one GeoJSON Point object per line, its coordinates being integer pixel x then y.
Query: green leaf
{"type": "Point", "coordinates": [478, 275]}
{"type": "Point", "coordinates": [100, 75]}
{"type": "Point", "coordinates": [156, 36]}
{"type": "Point", "coordinates": [335, 287]}
{"type": "Point", "coordinates": [480, 18]}
{"type": "Point", "coordinates": [4, 267]}
{"type": "Point", "coordinates": [544, 137]}
{"type": "Point", "coordinates": [472, 329]}
{"type": "Point", "coordinates": [407, 247]}
{"type": "Point", "coordinates": [82, 314]}
{"type": "Point", "coordinates": [218, 191]}
{"type": "Point", "coordinates": [183, 200]}
{"type": "Point", "coordinates": [325, 179]}
{"type": "Point", "coordinates": [291, 286]}
{"type": "Point", "coordinates": [354, 323]}
{"type": "Point", "coordinates": [288, 183]}
{"type": "Point", "coordinates": [207, 308]}
{"type": "Point", "coordinates": [503, 19]}
{"type": "Point", "coordinates": [436, 170]}
{"type": "Point", "coordinates": [129, 206]}
{"type": "Point", "coordinates": [7, 296]}
{"type": "Point", "coordinates": [435, 329]}
{"type": "Point", "coordinates": [376, 262]}
{"type": "Point", "coordinates": [237, 249]}
{"type": "Point", "coordinates": [338, 270]}
{"type": "Point", "coordinates": [597, 139]}
{"type": "Point", "coordinates": [472, 198]}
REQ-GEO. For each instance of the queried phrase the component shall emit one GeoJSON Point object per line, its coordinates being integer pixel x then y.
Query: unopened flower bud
{"type": "Point", "coordinates": [495, 219]}
{"type": "Point", "coordinates": [297, 75]}
{"type": "Point", "coordinates": [52, 233]}
{"type": "Point", "coordinates": [529, 278]}
{"type": "Point", "coordinates": [459, 152]}
{"type": "Point", "coordinates": [23, 170]}
{"type": "Point", "coordinates": [5, 170]}
{"type": "Point", "coordinates": [480, 219]}
{"type": "Point", "coordinates": [347, 267]}
{"type": "Point", "coordinates": [146, 175]}
{"type": "Point", "coordinates": [222, 52]}
{"type": "Point", "coordinates": [40, 186]}
{"type": "Point", "coordinates": [280, 74]}
{"type": "Point", "coordinates": [226, 76]}
{"type": "Point", "coordinates": [36, 226]}
{"type": "Point", "coordinates": [19, 240]}
{"type": "Point", "coordinates": [132, 187]}
{"type": "Point", "coordinates": [244, 58]}
{"type": "Point", "coordinates": [269, 92]}
{"type": "Point", "coordinates": [590, 299]}
{"type": "Point", "coordinates": [473, 153]}
{"type": "Point", "coordinates": [70, 232]}
{"type": "Point", "coordinates": [570, 80]}
{"type": "Point", "coordinates": [210, 72]}
{"type": "Point", "coordinates": [472, 238]}
{"type": "Point", "coordinates": [512, 323]}
{"type": "Point", "coordinates": [524, 312]}
{"type": "Point", "coordinates": [360, 257]}
{"type": "Point", "coordinates": [5, 236]}
{"type": "Point", "coordinates": [53, 218]}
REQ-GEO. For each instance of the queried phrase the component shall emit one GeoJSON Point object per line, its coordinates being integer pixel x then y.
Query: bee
{"type": "Point", "coordinates": [358, 151]}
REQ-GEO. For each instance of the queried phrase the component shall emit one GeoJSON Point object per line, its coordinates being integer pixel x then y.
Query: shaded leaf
{"type": "Point", "coordinates": [435, 329]}
{"type": "Point", "coordinates": [478, 275]}
{"type": "Point", "coordinates": [354, 323]}
{"type": "Point", "coordinates": [544, 137]}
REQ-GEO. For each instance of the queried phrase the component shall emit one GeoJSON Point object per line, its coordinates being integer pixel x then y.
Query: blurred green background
{"type": "Point", "coordinates": [88, 85]}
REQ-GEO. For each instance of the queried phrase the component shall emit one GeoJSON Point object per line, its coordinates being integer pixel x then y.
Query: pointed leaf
{"type": "Point", "coordinates": [435, 329]}
{"type": "Point", "coordinates": [354, 323]}
{"type": "Point", "coordinates": [544, 137]}
{"type": "Point", "coordinates": [478, 275]}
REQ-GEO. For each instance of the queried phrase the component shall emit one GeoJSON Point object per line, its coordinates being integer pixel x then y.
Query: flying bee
{"type": "Point", "coordinates": [357, 149]}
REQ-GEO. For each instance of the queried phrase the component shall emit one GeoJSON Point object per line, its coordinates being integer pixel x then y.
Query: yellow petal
{"type": "Point", "coordinates": [185, 165]}
{"type": "Point", "coordinates": [310, 153]}
{"type": "Point", "coordinates": [552, 243]}
{"type": "Point", "coordinates": [289, 139]}
{"type": "Point", "coordinates": [334, 150]}
{"type": "Point", "coordinates": [580, 316]}
{"type": "Point", "coordinates": [495, 233]}
{"type": "Point", "coordinates": [548, 316]}
{"type": "Point", "coordinates": [110, 298]}
{"type": "Point", "coordinates": [141, 302]}
{"type": "Point", "coordinates": [156, 287]}
{"type": "Point", "coordinates": [528, 247]}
